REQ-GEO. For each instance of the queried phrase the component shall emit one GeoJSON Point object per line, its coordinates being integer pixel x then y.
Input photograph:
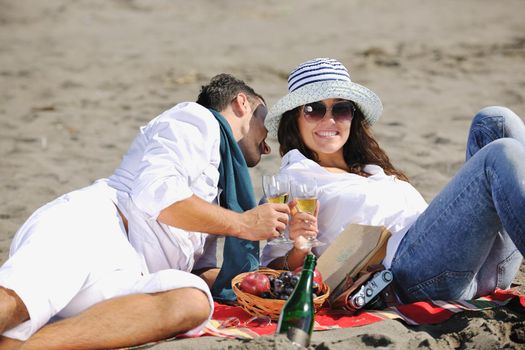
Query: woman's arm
{"type": "Point", "coordinates": [293, 259]}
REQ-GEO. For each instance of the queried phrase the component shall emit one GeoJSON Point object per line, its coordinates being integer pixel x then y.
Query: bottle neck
{"type": "Point", "coordinates": [310, 261]}
{"type": "Point", "coordinates": [307, 275]}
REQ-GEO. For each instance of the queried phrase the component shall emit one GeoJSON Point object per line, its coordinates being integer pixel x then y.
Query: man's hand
{"type": "Point", "coordinates": [264, 221]}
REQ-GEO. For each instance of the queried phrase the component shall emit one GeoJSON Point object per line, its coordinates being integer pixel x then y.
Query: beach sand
{"type": "Point", "coordinates": [78, 78]}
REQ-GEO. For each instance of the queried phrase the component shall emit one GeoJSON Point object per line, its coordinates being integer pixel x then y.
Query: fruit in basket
{"type": "Point", "coordinates": [282, 286]}
{"type": "Point", "coordinates": [255, 283]}
{"type": "Point", "coordinates": [317, 275]}
{"type": "Point", "coordinates": [278, 287]}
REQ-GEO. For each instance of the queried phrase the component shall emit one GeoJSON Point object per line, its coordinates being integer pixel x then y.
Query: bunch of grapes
{"type": "Point", "coordinates": [282, 286]}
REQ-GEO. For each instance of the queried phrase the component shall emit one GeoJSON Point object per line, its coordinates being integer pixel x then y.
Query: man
{"type": "Point", "coordinates": [72, 261]}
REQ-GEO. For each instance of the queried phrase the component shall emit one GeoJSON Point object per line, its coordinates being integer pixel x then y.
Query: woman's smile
{"type": "Point", "coordinates": [327, 133]}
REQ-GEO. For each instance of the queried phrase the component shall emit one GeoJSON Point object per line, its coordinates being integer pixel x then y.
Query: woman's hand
{"type": "Point", "coordinates": [301, 226]}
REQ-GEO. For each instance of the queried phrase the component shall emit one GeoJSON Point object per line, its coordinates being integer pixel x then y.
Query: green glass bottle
{"type": "Point", "coordinates": [297, 316]}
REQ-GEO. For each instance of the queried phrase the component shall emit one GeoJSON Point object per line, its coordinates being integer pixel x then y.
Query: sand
{"type": "Point", "coordinates": [78, 78]}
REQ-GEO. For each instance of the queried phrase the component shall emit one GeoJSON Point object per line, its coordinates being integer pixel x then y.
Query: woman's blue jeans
{"type": "Point", "coordinates": [468, 241]}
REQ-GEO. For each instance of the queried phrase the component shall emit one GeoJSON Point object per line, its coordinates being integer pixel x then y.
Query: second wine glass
{"type": "Point", "coordinates": [305, 193]}
{"type": "Point", "coordinates": [276, 190]}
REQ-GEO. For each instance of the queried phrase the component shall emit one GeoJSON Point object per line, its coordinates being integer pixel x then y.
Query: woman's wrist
{"type": "Point", "coordinates": [294, 258]}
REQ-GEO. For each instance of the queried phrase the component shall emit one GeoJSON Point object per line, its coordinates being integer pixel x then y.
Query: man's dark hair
{"type": "Point", "coordinates": [221, 91]}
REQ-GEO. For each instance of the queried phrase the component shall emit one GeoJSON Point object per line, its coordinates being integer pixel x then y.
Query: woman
{"type": "Point", "coordinates": [464, 244]}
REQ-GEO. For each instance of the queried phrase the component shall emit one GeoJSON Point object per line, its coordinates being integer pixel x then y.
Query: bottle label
{"type": "Point", "coordinates": [298, 336]}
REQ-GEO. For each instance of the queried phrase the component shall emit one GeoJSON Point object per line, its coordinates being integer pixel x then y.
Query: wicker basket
{"type": "Point", "coordinates": [258, 306]}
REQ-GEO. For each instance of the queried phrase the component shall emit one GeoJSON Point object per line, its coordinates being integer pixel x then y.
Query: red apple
{"type": "Point", "coordinates": [317, 275]}
{"type": "Point", "coordinates": [255, 283]}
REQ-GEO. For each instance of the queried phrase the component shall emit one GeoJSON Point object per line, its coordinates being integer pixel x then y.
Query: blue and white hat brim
{"type": "Point", "coordinates": [366, 100]}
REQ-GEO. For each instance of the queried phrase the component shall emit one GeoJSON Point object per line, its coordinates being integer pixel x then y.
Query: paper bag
{"type": "Point", "coordinates": [356, 247]}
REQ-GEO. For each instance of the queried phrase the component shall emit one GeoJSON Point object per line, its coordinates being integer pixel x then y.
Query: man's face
{"type": "Point", "coordinates": [253, 145]}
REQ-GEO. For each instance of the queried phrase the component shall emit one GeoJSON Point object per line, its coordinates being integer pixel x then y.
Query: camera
{"type": "Point", "coordinates": [369, 293]}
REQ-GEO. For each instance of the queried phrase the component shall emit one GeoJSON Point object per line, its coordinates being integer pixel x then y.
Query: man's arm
{"type": "Point", "coordinates": [195, 214]}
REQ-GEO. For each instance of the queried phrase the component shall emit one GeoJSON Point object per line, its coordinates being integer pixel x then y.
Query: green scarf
{"type": "Point", "coordinates": [237, 194]}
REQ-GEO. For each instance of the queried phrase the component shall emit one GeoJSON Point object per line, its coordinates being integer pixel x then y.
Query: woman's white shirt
{"type": "Point", "coordinates": [347, 198]}
{"type": "Point", "coordinates": [176, 155]}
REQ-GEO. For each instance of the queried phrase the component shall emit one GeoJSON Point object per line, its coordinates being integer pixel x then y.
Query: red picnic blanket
{"type": "Point", "coordinates": [423, 312]}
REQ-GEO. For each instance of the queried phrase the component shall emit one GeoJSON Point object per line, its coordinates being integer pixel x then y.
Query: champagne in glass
{"type": "Point", "coordinates": [307, 205]}
{"type": "Point", "coordinates": [281, 198]}
{"type": "Point", "coordinates": [305, 193]}
{"type": "Point", "coordinates": [276, 190]}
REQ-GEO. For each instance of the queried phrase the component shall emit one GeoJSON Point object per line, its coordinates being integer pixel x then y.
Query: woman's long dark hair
{"type": "Point", "coordinates": [360, 149]}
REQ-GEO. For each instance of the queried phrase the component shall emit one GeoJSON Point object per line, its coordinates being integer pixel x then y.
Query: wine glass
{"type": "Point", "coordinates": [276, 190]}
{"type": "Point", "coordinates": [305, 193]}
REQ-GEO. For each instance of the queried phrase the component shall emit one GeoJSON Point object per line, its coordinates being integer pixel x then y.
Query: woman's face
{"type": "Point", "coordinates": [325, 127]}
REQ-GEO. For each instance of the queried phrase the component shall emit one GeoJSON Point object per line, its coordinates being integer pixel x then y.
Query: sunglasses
{"type": "Point", "coordinates": [341, 111]}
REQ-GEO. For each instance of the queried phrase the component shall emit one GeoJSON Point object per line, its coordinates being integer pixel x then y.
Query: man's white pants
{"type": "Point", "coordinates": [72, 253]}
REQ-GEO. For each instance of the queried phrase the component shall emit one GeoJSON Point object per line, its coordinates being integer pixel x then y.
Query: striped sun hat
{"type": "Point", "coordinates": [319, 79]}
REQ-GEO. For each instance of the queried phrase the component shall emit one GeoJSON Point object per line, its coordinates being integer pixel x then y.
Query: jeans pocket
{"type": "Point", "coordinates": [448, 285]}
{"type": "Point", "coordinates": [508, 268]}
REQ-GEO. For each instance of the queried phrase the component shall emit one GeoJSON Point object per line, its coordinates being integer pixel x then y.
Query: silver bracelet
{"type": "Point", "coordinates": [285, 263]}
